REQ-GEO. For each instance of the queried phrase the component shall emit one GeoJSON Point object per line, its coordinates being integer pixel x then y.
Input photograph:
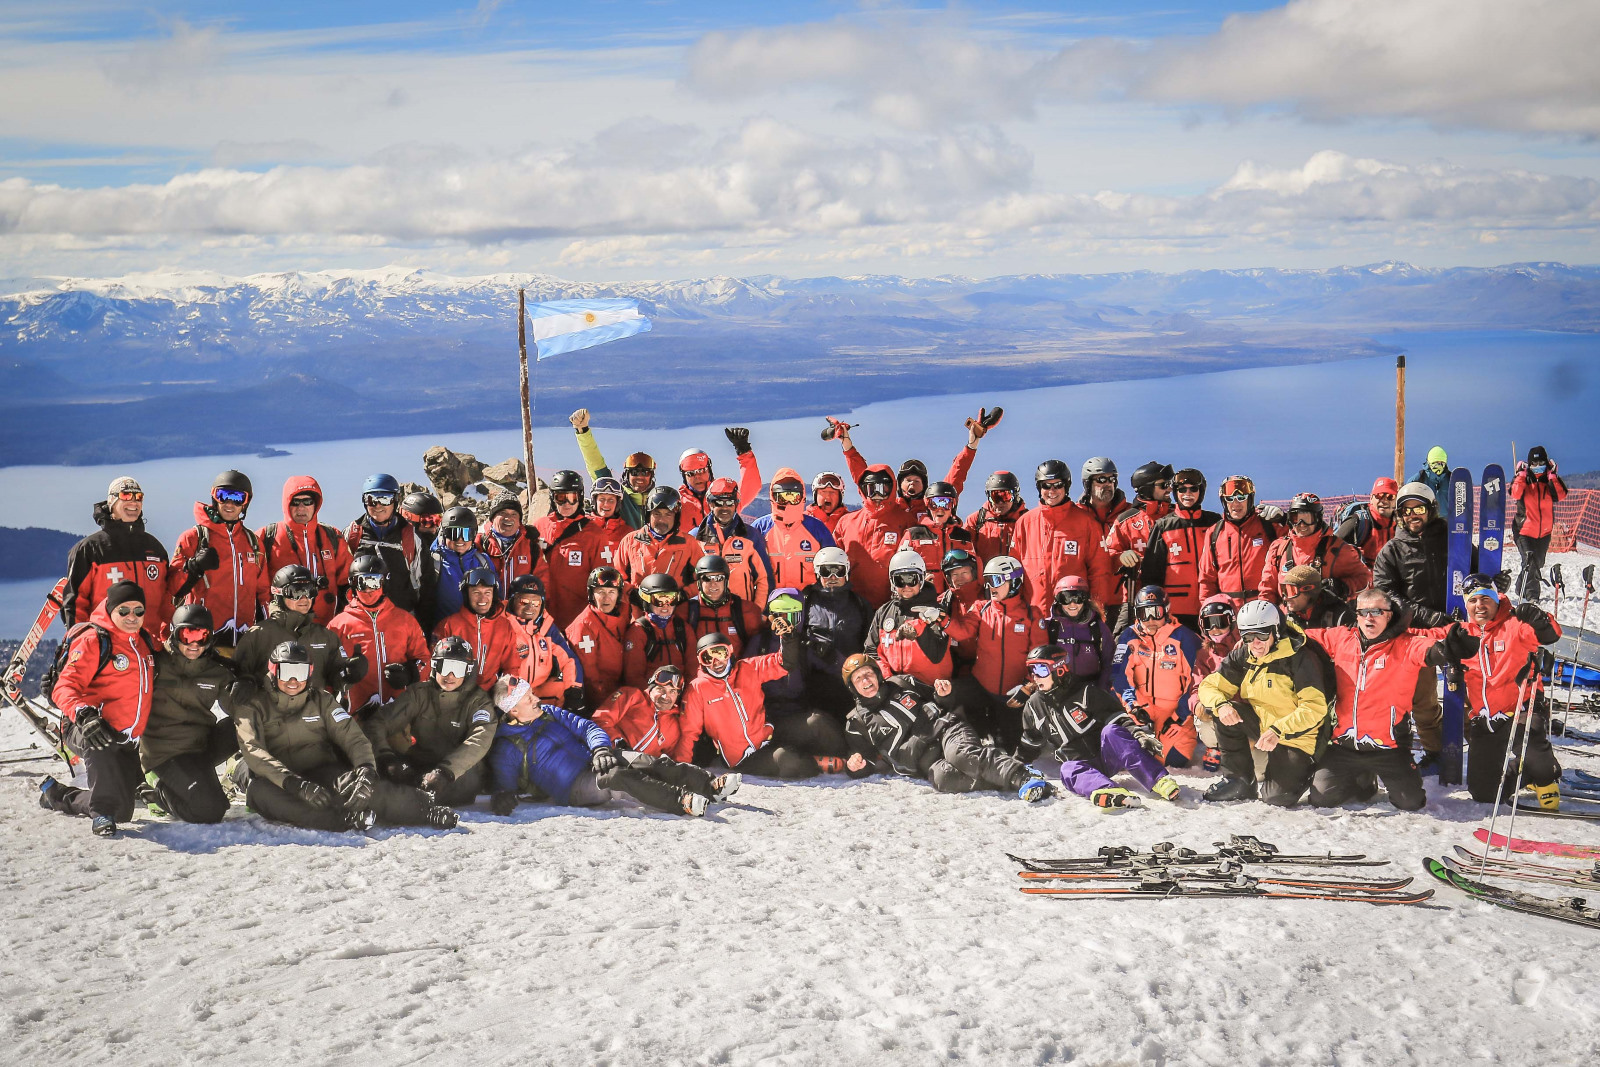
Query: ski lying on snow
{"type": "Point", "coordinates": [1587, 814]}
{"type": "Point", "coordinates": [1160, 889]}
{"type": "Point", "coordinates": [1222, 874]}
{"type": "Point", "coordinates": [1568, 909]}
{"type": "Point", "coordinates": [1476, 867]}
{"type": "Point", "coordinates": [1476, 859]}
{"type": "Point", "coordinates": [1546, 848]}
{"type": "Point", "coordinates": [1240, 848]}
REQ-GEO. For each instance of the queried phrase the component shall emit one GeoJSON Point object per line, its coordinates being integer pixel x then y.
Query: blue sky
{"type": "Point", "coordinates": [625, 140]}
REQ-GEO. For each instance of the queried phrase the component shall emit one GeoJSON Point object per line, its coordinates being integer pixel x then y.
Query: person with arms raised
{"type": "Point", "coordinates": [694, 466]}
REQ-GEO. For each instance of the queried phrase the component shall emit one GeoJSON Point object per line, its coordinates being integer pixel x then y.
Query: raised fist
{"type": "Point", "coordinates": [580, 420]}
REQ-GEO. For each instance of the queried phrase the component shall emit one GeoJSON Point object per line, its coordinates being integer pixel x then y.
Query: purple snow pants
{"type": "Point", "coordinates": [1118, 752]}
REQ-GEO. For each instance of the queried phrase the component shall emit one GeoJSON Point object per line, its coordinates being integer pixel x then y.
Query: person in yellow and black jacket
{"type": "Point", "coordinates": [1275, 692]}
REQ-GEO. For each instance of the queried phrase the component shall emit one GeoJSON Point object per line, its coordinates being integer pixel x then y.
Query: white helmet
{"type": "Point", "coordinates": [1003, 571]}
{"type": "Point", "coordinates": [1258, 615]}
{"type": "Point", "coordinates": [1416, 491]}
{"type": "Point", "coordinates": [834, 556]}
{"type": "Point", "coordinates": [907, 559]}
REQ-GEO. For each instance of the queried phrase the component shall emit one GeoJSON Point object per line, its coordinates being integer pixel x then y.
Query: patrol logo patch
{"type": "Point", "coordinates": [481, 715]}
{"type": "Point", "coordinates": [890, 537]}
{"type": "Point", "coordinates": [152, 571]}
{"type": "Point", "coordinates": [1499, 646]}
{"type": "Point", "coordinates": [805, 546]}
{"type": "Point", "coordinates": [119, 662]}
{"type": "Point", "coordinates": [522, 651]}
{"type": "Point", "coordinates": [1069, 548]}
{"type": "Point", "coordinates": [1255, 542]}
{"type": "Point", "coordinates": [907, 701]}
{"type": "Point", "coordinates": [1020, 627]}
{"type": "Point", "coordinates": [574, 557]}
{"type": "Point", "coordinates": [339, 714]}
{"type": "Point", "coordinates": [1378, 663]}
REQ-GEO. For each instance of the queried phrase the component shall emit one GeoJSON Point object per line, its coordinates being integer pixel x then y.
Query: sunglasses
{"type": "Point", "coordinates": [302, 502]}
{"type": "Point", "coordinates": [906, 579]}
{"type": "Point", "coordinates": [1186, 487]}
{"type": "Point", "coordinates": [1414, 509]}
{"type": "Point", "coordinates": [382, 500]}
{"type": "Point", "coordinates": [1052, 485]}
{"type": "Point", "coordinates": [130, 494]}
{"type": "Point", "coordinates": [1162, 484]}
{"type": "Point", "coordinates": [458, 533]}
{"type": "Point", "coordinates": [1103, 479]}
{"type": "Point", "coordinates": [945, 502]}
{"type": "Point", "coordinates": [133, 610]}
{"type": "Point", "coordinates": [832, 570]}
{"type": "Point", "coordinates": [229, 496]}
{"type": "Point", "coordinates": [726, 500]}
{"type": "Point", "coordinates": [191, 635]}
{"type": "Point", "coordinates": [784, 496]}
{"type": "Point", "coordinates": [1371, 613]}
{"type": "Point", "coordinates": [454, 668]}
{"type": "Point", "coordinates": [299, 591]}
{"type": "Point", "coordinates": [294, 672]}
{"type": "Point", "coordinates": [1258, 635]}
{"type": "Point", "coordinates": [1383, 496]}
{"type": "Point", "coordinates": [366, 581]}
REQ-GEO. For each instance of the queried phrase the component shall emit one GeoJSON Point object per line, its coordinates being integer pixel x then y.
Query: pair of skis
{"type": "Point", "coordinates": [1568, 909]}
{"type": "Point", "coordinates": [39, 714]}
{"type": "Point", "coordinates": [1478, 865]}
{"type": "Point", "coordinates": [1457, 510]}
{"type": "Point", "coordinates": [1239, 848]}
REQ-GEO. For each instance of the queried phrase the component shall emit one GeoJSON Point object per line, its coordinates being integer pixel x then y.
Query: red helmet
{"type": "Point", "coordinates": [723, 487]}
{"type": "Point", "coordinates": [694, 459]}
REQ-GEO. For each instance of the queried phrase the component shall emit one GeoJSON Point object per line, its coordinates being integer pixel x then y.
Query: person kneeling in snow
{"type": "Point", "coordinates": [444, 727]}
{"type": "Point", "coordinates": [567, 758]}
{"type": "Point", "coordinates": [897, 721]}
{"type": "Point", "coordinates": [1069, 718]}
{"type": "Point", "coordinates": [306, 761]}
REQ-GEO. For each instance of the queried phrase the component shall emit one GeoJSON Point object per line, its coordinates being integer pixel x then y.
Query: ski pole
{"type": "Point", "coordinates": [1522, 758]}
{"type": "Point", "coordinates": [1577, 644]}
{"type": "Point", "coordinates": [1494, 812]}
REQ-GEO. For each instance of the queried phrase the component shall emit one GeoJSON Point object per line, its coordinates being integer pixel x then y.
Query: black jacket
{"type": "Point", "coordinates": [1414, 569]}
{"type": "Point", "coordinates": [903, 725]}
{"type": "Point", "coordinates": [1065, 722]}
{"type": "Point", "coordinates": [833, 627]}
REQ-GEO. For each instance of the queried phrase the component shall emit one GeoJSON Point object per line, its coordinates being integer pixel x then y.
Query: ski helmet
{"type": "Point", "coordinates": [1310, 502]}
{"type": "Point", "coordinates": [1258, 616]}
{"type": "Point", "coordinates": [639, 463]}
{"type": "Point", "coordinates": [290, 654]}
{"type": "Point", "coordinates": [1003, 572]}
{"type": "Point", "coordinates": [832, 556]}
{"type": "Point", "coordinates": [1002, 481]}
{"type": "Point", "coordinates": [826, 480]}
{"type": "Point", "coordinates": [654, 585]}
{"type": "Point", "coordinates": [1045, 660]}
{"type": "Point", "coordinates": [480, 578]}
{"type": "Point", "coordinates": [1095, 466]}
{"type": "Point", "coordinates": [194, 617]}
{"type": "Point", "coordinates": [692, 460]}
{"type": "Point", "coordinates": [603, 577]}
{"type": "Point", "coordinates": [958, 557]}
{"type": "Point", "coordinates": [380, 483]}
{"type": "Point", "coordinates": [939, 491]}
{"type": "Point", "coordinates": [227, 486]}
{"type": "Point", "coordinates": [1071, 589]}
{"type": "Point", "coordinates": [663, 496]}
{"type": "Point", "coordinates": [605, 487]}
{"type": "Point", "coordinates": [456, 651]}
{"type": "Point", "coordinates": [1052, 470]}
{"type": "Point", "coordinates": [460, 523]}
{"type": "Point", "coordinates": [908, 561]}
{"type": "Point", "coordinates": [1147, 475]}
{"type": "Point", "coordinates": [1234, 485]}
{"type": "Point", "coordinates": [724, 492]}
{"type": "Point", "coordinates": [523, 585]}
{"type": "Point", "coordinates": [421, 509]}
{"type": "Point", "coordinates": [711, 565]}
{"type": "Point", "coordinates": [566, 481]}
{"type": "Point", "coordinates": [1416, 491]}
{"type": "Point", "coordinates": [912, 468]}
{"type": "Point", "coordinates": [293, 582]}
{"type": "Point", "coordinates": [367, 572]}
{"type": "Point", "coordinates": [855, 662]}
{"type": "Point", "coordinates": [1217, 606]}
{"type": "Point", "coordinates": [716, 666]}
{"type": "Point", "coordinates": [1189, 478]}
{"type": "Point", "coordinates": [1149, 599]}
{"type": "Point", "coordinates": [878, 478]}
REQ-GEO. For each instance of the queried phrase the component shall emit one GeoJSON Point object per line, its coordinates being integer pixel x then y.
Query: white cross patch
{"type": "Point", "coordinates": [605, 554]}
{"type": "Point", "coordinates": [586, 645]}
{"type": "Point", "coordinates": [115, 574]}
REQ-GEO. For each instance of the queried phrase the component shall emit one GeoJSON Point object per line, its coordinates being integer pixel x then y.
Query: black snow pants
{"type": "Point", "coordinates": [1289, 769]}
{"type": "Point", "coordinates": [187, 784]}
{"type": "Point", "coordinates": [1492, 758]}
{"type": "Point", "coordinates": [1347, 774]}
{"type": "Point", "coordinates": [960, 762]}
{"type": "Point", "coordinates": [114, 777]}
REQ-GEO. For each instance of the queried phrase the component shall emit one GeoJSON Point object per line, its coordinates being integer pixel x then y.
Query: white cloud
{"type": "Point", "coordinates": [1527, 66]}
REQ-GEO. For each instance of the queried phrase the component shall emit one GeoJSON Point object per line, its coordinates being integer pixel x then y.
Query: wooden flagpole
{"type": "Point", "coordinates": [527, 406]}
{"type": "Point", "coordinates": [1400, 420]}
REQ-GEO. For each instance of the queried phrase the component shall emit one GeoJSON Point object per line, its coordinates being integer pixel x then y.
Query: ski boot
{"type": "Point", "coordinates": [829, 764]}
{"type": "Point", "coordinates": [1232, 789]}
{"type": "Point", "coordinates": [103, 826]}
{"type": "Point", "coordinates": [50, 793]}
{"type": "Point", "coordinates": [1548, 796]}
{"type": "Point", "coordinates": [1034, 790]}
{"type": "Point", "coordinates": [724, 786]}
{"type": "Point", "coordinates": [692, 803]}
{"type": "Point", "coordinates": [1112, 797]}
{"type": "Point", "coordinates": [1166, 787]}
{"type": "Point", "coordinates": [150, 796]}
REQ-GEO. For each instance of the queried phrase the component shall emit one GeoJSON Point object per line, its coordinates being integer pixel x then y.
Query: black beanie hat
{"type": "Point", "coordinates": [122, 593]}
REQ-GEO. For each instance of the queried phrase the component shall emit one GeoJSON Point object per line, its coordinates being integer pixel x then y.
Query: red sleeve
{"type": "Point", "coordinates": [1208, 568]}
{"type": "Point", "coordinates": [183, 550]}
{"type": "Point", "coordinates": [749, 479]}
{"type": "Point", "coordinates": [72, 685]}
{"type": "Point", "coordinates": [352, 535]}
{"type": "Point", "coordinates": [1102, 575]}
{"type": "Point", "coordinates": [768, 668]}
{"type": "Point", "coordinates": [1267, 587]}
{"type": "Point", "coordinates": [692, 725]}
{"type": "Point", "coordinates": [857, 465]}
{"type": "Point", "coordinates": [960, 467]}
{"type": "Point", "coordinates": [963, 624]}
{"type": "Point", "coordinates": [1519, 485]}
{"type": "Point", "coordinates": [1347, 566]}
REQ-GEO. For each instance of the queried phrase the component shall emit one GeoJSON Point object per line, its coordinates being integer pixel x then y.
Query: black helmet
{"type": "Point", "coordinates": [1053, 658]}
{"type": "Point", "coordinates": [566, 482]}
{"type": "Point", "coordinates": [288, 652]}
{"type": "Point", "coordinates": [663, 496]}
{"type": "Point", "coordinates": [460, 518]}
{"type": "Point", "coordinates": [456, 648]}
{"type": "Point", "coordinates": [711, 640]}
{"type": "Point", "coordinates": [367, 571]}
{"type": "Point", "coordinates": [1189, 476]}
{"type": "Point", "coordinates": [1147, 475]}
{"type": "Point", "coordinates": [525, 583]}
{"type": "Point", "coordinates": [606, 576]}
{"type": "Point", "coordinates": [959, 557]}
{"type": "Point", "coordinates": [941, 489]}
{"type": "Point", "coordinates": [912, 468]}
{"type": "Point", "coordinates": [235, 480]}
{"type": "Point", "coordinates": [711, 564]}
{"type": "Point", "coordinates": [1002, 480]}
{"type": "Point", "coordinates": [480, 577]}
{"type": "Point", "coordinates": [655, 584]}
{"type": "Point", "coordinates": [1151, 596]}
{"type": "Point", "coordinates": [1308, 502]}
{"type": "Point", "coordinates": [194, 617]}
{"type": "Point", "coordinates": [878, 477]}
{"type": "Point", "coordinates": [1051, 470]}
{"type": "Point", "coordinates": [290, 576]}
{"type": "Point", "coordinates": [421, 502]}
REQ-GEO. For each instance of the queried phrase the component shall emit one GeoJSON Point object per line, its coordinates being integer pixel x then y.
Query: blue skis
{"type": "Point", "coordinates": [1491, 519]}
{"type": "Point", "coordinates": [1456, 508]}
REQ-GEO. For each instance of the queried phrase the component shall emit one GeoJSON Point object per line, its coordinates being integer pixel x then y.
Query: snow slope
{"type": "Point", "coordinates": [834, 922]}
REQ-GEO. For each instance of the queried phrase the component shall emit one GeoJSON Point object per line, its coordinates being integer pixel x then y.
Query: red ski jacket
{"type": "Point", "coordinates": [236, 591]}
{"type": "Point", "coordinates": [1491, 675]}
{"type": "Point", "coordinates": [1232, 558]}
{"type": "Point", "coordinates": [1322, 549]}
{"type": "Point", "coordinates": [575, 546]}
{"type": "Point", "coordinates": [732, 710]}
{"type": "Point", "coordinates": [693, 511]}
{"type": "Point", "coordinates": [316, 546]}
{"type": "Point", "coordinates": [121, 687]}
{"type": "Point", "coordinates": [117, 552]}
{"type": "Point", "coordinates": [630, 716]}
{"type": "Point", "coordinates": [647, 645]}
{"type": "Point", "coordinates": [385, 636]}
{"type": "Point", "coordinates": [1536, 499]}
{"type": "Point", "coordinates": [596, 640]}
{"type": "Point", "coordinates": [544, 659]}
{"type": "Point", "coordinates": [993, 534]}
{"type": "Point", "coordinates": [643, 553]}
{"type": "Point", "coordinates": [1376, 686]}
{"type": "Point", "coordinates": [1053, 542]}
{"type": "Point", "coordinates": [734, 617]}
{"type": "Point", "coordinates": [1006, 630]}
{"type": "Point", "coordinates": [493, 638]}
{"type": "Point", "coordinates": [1172, 559]}
{"type": "Point", "coordinates": [870, 537]}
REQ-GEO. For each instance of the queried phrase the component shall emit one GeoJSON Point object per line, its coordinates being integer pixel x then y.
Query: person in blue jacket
{"type": "Point", "coordinates": [455, 555]}
{"type": "Point", "coordinates": [547, 750]}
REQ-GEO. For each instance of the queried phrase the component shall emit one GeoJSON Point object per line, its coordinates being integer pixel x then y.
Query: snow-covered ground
{"type": "Point", "coordinates": [829, 922]}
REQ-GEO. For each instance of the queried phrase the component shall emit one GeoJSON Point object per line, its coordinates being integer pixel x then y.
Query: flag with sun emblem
{"type": "Point", "coordinates": [561, 326]}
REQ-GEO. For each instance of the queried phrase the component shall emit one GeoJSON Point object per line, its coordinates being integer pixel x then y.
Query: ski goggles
{"type": "Point", "coordinates": [876, 488]}
{"type": "Point", "coordinates": [945, 502]}
{"type": "Point", "coordinates": [996, 581]}
{"type": "Point", "coordinates": [1151, 612]}
{"type": "Point", "coordinates": [1237, 488]}
{"type": "Point", "coordinates": [828, 480]}
{"type": "Point", "coordinates": [1072, 596]}
{"type": "Point", "coordinates": [716, 655]}
{"type": "Point", "coordinates": [192, 635]}
{"type": "Point", "coordinates": [788, 496]}
{"type": "Point", "coordinates": [569, 496]}
{"type": "Point", "coordinates": [729, 500]}
{"type": "Point", "coordinates": [294, 672]}
{"type": "Point", "coordinates": [135, 611]}
{"type": "Point", "coordinates": [366, 582]}
{"type": "Point", "coordinates": [382, 500]}
{"type": "Point", "coordinates": [453, 668]}
{"type": "Point", "coordinates": [1418, 508]}
{"type": "Point", "coordinates": [425, 523]}
{"type": "Point", "coordinates": [1002, 498]}
{"type": "Point", "coordinates": [1044, 668]}
{"type": "Point", "coordinates": [1257, 635]}
{"type": "Point", "coordinates": [833, 570]}
{"type": "Point", "coordinates": [131, 494]}
{"type": "Point", "coordinates": [662, 600]}
{"type": "Point", "coordinates": [669, 676]}
{"type": "Point", "coordinates": [224, 495]}
{"type": "Point", "coordinates": [299, 591]}
{"type": "Point", "coordinates": [906, 579]}
{"type": "Point", "coordinates": [458, 533]}
{"type": "Point", "coordinates": [1221, 620]}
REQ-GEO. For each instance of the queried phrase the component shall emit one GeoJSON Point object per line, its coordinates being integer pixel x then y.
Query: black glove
{"type": "Point", "coordinates": [395, 676]}
{"type": "Point", "coordinates": [1147, 740]}
{"type": "Point", "coordinates": [309, 791]}
{"type": "Point", "coordinates": [206, 560]}
{"type": "Point", "coordinates": [398, 769]}
{"type": "Point", "coordinates": [1502, 581]}
{"type": "Point", "coordinates": [604, 760]}
{"type": "Point", "coordinates": [1529, 612]}
{"type": "Point", "coordinates": [356, 787]}
{"type": "Point", "coordinates": [352, 669]}
{"type": "Point", "coordinates": [438, 779]}
{"type": "Point", "coordinates": [322, 581]}
{"type": "Point", "coordinates": [238, 691]}
{"type": "Point", "coordinates": [739, 438]}
{"type": "Point", "coordinates": [1460, 645]}
{"type": "Point", "coordinates": [573, 700]}
{"type": "Point", "coordinates": [94, 732]}
{"type": "Point", "coordinates": [503, 803]}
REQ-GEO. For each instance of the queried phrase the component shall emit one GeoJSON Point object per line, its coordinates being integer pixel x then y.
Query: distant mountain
{"type": "Point", "coordinates": [145, 366]}
{"type": "Point", "coordinates": [34, 552]}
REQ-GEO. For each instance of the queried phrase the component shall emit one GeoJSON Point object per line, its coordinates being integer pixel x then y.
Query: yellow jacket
{"type": "Point", "coordinates": [1287, 688]}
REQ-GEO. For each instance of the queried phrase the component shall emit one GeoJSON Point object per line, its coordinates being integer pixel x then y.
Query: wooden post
{"type": "Point", "coordinates": [527, 407]}
{"type": "Point", "coordinates": [1400, 420]}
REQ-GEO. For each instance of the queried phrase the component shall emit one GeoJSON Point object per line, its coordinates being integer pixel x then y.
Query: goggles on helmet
{"type": "Point", "coordinates": [668, 676]}
{"type": "Point", "coordinates": [294, 672]}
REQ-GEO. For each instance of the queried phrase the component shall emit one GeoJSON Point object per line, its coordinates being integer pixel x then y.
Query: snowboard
{"type": "Point", "coordinates": [1457, 512]}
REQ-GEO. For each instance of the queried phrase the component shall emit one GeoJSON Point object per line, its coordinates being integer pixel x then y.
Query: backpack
{"type": "Point", "coordinates": [737, 619]}
{"type": "Point", "coordinates": [53, 674]}
{"type": "Point", "coordinates": [1359, 510]}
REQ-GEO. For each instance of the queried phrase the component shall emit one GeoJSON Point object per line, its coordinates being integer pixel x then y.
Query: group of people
{"type": "Point", "coordinates": [660, 641]}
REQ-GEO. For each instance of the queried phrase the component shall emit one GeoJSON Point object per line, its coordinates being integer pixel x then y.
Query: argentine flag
{"type": "Point", "coordinates": [561, 326]}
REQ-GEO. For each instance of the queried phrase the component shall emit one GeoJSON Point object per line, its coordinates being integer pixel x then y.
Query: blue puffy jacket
{"type": "Point", "coordinates": [547, 754]}
{"type": "Point", "coordinates": [451, 566]}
